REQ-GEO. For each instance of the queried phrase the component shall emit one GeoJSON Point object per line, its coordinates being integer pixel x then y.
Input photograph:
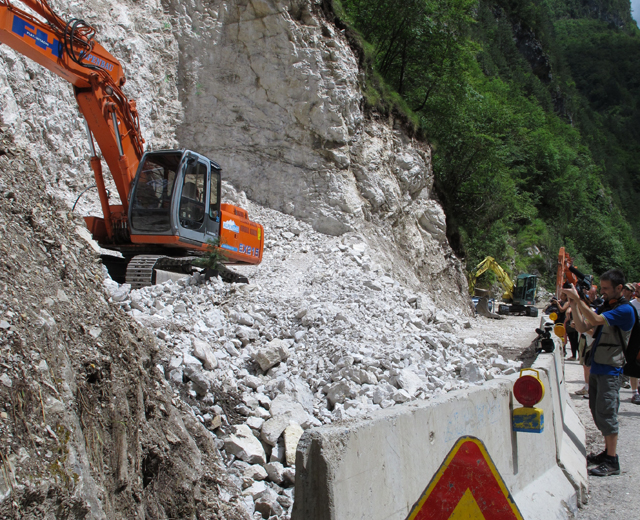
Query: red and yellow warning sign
{"type": "Point", "coordinates": [467, 486]}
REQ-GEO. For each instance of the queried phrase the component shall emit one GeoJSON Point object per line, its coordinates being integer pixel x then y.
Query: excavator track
{"type": "Point", "coordinates": [140, 269]}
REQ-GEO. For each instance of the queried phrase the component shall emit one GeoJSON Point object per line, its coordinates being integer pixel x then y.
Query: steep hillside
{"type": "Point", "coordinates": [522, 162]}
{"type": "Point", "coordinates": [604, 64]}
{"type": "Point", "coordinates": [89, 427]}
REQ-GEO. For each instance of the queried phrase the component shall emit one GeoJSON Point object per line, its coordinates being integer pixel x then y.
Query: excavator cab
{"type": "Point", "coordinates": [175, 201]}
{"type": "Point", "coordinates": [176, 194]}
{"type": "Point", "coordinates": [524, 292]}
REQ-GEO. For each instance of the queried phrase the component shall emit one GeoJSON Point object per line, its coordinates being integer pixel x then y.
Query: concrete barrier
{"type": "Point", "coordinates": [378, 468]}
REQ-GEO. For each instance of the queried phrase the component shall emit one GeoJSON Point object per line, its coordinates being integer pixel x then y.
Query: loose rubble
{"type": "Point", "coordinates": [321, 334]}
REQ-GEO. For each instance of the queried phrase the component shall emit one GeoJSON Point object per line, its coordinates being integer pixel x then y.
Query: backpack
{"type": "Point", "coordinates": [632, 350]}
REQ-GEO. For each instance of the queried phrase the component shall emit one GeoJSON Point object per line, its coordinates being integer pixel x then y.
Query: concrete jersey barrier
{"type": "Point", "coordinates": [377, 469]}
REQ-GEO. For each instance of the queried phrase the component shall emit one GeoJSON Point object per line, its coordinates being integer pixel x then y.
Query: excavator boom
{"type": "Point", "coordinates": [564, 274]}
{"type": "Point", "coordinates": [487, 264]}
{"type": "Point", "coordinates": [32, 38]}
{"type": "Point", "coordinates": [69, 50]}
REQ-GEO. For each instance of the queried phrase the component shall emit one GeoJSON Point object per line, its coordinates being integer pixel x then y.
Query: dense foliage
{"type": "Point", "coordinates": [532, 109]}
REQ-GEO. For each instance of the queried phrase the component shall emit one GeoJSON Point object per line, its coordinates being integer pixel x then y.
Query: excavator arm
{"type": "Point", "coordinates": [68, 49]}
{"type": "Point", "coordinates": [564, 274]}
{"type": "Point", "coordinates": [487, 264]}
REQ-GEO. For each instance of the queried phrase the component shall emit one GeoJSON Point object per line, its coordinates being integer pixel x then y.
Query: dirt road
{"type": "Point", "coordinates": [610, 498]}
{"type": "Point", "coordinates": [509, 336]}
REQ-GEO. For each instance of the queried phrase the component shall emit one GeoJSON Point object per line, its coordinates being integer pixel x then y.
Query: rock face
{"type": "Point", "coordinates": [272, 91]}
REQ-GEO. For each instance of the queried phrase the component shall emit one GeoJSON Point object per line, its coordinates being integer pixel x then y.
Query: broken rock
{"type": "Point", "coordinates": [472, 373]}
{"type": "Point", "coordinates": [268, 507]}
{"type": "Point", "coordinates": [409, 381]}
{"type": "Point", "coordinates": [292, 434]}
{"type": "Point", "coordinates": [273, 428]}
{"type": "Point", "coordinates": [201, 383]}
{"type": "Point", "coordinates": [275, 472]}
{"type": "Point", "coordinates": [244, 445]}
{"type": "Point", "coordinates": [338, 393]}
{"type": "Point", "coordinates": [204, 353]}
{"type": "Point", "coordinates": [269, 356]}
{"type": "Point", "coordinates": [255, 472]}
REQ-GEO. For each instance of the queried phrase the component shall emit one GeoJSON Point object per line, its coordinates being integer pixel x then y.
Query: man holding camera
{"type": "Point", "coordinates": [613, 320]}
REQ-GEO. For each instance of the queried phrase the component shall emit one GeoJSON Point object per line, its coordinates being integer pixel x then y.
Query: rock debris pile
{"type": "Point", "coordinates": [321, 334]}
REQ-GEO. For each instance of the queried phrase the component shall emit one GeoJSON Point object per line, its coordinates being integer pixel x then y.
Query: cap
{"type": "Point", "coordinates": [630, 287]}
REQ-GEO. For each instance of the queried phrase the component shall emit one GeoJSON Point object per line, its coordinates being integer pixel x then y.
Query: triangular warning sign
{"type": "Point", "coordinates": [467, 486]}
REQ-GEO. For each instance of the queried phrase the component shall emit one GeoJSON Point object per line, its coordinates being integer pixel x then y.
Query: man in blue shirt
{"type": "Point", "coordinates": [613, 322]}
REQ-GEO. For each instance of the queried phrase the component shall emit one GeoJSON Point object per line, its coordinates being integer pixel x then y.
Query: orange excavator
{"type": "Point", "coordinates": [170, 199]}
{"type": "Point", "coordinates": [567, 273]}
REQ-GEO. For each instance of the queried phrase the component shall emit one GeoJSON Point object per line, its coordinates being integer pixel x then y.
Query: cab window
{"type": "Point", "coordinates": [214, 199]}
{"type": "Point", "coordinates": [192, 199]}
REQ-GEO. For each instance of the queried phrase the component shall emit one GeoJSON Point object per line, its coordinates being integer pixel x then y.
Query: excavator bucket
{"type": "Point", "coordinates": [482, 308]}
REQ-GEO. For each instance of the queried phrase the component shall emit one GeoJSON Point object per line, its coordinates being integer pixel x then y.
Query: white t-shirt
{"type": "Point", "coordinates": [636, 304]}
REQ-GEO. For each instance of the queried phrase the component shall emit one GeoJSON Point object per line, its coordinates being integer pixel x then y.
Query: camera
{"type": "Point", "coordinates": [544, 341]}
{"type": "Point", "coordinates": [583, 285]}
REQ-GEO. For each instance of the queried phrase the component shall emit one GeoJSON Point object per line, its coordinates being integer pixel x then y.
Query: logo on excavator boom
{"type": "Point", "coordinates": [23, 28]}
{"type": "Point", "coordinates": [99, 62]}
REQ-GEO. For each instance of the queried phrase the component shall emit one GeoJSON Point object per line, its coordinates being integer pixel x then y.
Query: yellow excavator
{"type": "Point", "coordinates": [519, 296]}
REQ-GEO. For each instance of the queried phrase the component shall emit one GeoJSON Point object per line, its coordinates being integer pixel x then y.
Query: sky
{"type": "Point", "coordinates": [635, 10]}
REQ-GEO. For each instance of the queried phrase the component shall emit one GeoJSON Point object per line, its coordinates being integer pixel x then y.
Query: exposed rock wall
{"type": "Point", "coordinates": [271, 90]}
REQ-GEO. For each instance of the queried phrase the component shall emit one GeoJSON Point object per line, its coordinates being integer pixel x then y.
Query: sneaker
{"type": "Point", "coordinates": [609, 467]}
{"type": "Point", "coordinates": [572, 358]}
{"type": "Point", "coordinates": [596, 460]}
{"type": "Point", "coordinates": [583, 391]}
{"type": "Point", "coordinates": [635, 398]}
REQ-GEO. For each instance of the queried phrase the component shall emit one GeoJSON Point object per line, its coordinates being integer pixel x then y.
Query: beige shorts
{"type": "Point", "coordinates": [584, 350]}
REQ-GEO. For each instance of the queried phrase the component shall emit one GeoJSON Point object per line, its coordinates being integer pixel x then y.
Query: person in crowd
{"type": "Point", "coordinates": [613, 322]}
{"type": "Point", "coordinates": [628, 292]}
{"type": "Point", "coordinates": [563, 307]}
{"type": "Point", "coordinates": [635, 303]}
{"type": "Point", "coordinates": [584, 345]}
{"type": "Point", "coordinates": [572, 335]}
